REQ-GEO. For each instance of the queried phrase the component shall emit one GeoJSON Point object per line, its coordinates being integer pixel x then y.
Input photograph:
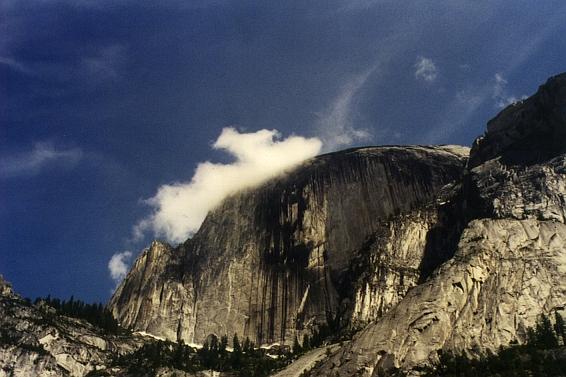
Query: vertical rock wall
{"type": "Point", "coordinates": [274, 261]}
{"type": "Point", "coordinates": [510, 263]}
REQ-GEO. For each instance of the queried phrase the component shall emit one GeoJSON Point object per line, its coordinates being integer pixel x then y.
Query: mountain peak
{"type": "Point", "coordinates": [527, 132]}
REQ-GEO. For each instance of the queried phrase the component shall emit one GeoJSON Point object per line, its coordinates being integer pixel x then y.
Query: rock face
{"type": "Point", "coordinates": [510, 263]}
{"type": "Point", "coordinates": [419, 246]}
{"type": "Point", "coordinates": [156, 280]}
{"type": "Point", "coordinates": [504, 274]}
{"type": "Point", "coordinates": [528, 132]}
{"type": "Point", "coordinates": [345, 233]}
{"type": "Point", "coordinates": [34, 341]}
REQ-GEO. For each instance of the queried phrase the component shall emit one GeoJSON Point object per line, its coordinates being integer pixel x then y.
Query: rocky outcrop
{"type": "Point", "coordinates": [505, 274]}
{"type": "Point", "coordinates": [421, 251]}
{"type": "Point", "coordinates": [520, 192]}
{"type": "Point", "coordinates": [527, 132]}
{"type": "Point", "coordinates": [510, 264]}
{"type": "Point", "coordinates": [517, 168]}
{"type": "Point", "coordinates": [35, 341]}
{"type": "Point", "coordinates": [345, 232]}
{"type": "Point", "coordinates": [156, 279]}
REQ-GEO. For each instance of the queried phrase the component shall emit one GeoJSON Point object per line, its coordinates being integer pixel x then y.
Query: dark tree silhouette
{"type": "Point", "coordinates": [96, 314]}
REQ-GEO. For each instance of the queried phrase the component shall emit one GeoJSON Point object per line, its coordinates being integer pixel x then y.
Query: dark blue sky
{"type": "Point", "coordinates": [101, 102]}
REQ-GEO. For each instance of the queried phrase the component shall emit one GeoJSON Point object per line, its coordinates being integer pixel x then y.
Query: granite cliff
{"type": "Point", "coordinates": [421, 248]}
{"type": "Point", "coordinates": [36, 341]}
{"type": "Point", "coordinates": [344, 234]}
{"type": "Point", "coordinates": [510, 263]}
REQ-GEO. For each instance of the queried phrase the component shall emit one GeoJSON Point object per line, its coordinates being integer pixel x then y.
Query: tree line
{"type": "Point", "coordinates": [96, 314]}
{"type": "Point", "coordinates": [245, 359]}
{"type": "Point", "coordinates": [541, 355]}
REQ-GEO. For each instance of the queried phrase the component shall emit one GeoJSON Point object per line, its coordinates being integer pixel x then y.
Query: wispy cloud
{"type": "Point", "coordinates": [105, 63]}
{"type": "Point", "coordinates": [118, 265]}
{"type": "Point", "coordinates": [335, 125]}
{"type": "Point", "coordinates": [43, 155]}
{"type": "Point", "coordinates": [425, 69]}
{"type": "Point", "coordinates": [466, 103]}
{"type": "Point", "coordinates": [457, 113]}
{"type": "Point", "coordinates": [500, 94]}
{"type": "Point", "coordinates": [15, 65]}
{"type": "Point", "coordinates": [102, 64]}
{"type": "Point", "coordinates": [179, 208]}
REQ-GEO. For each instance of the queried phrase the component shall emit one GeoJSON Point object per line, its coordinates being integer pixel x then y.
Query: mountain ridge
{"type": "Point", "coordinates": [415, 250]}
{"type": "Point", "coordinates": [510, 263]}
{"type": "Point", "coordinates": [294, 212]}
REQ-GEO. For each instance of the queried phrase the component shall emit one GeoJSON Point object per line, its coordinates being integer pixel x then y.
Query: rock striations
{"type": "Point", "coordinates": [343, 234]}
{"type": "Point", "coordinates": [510, 263]}
{"type": "Point", "coordinates": [423, 248]}
{"type": "Point", "coordinates": [35, 341]}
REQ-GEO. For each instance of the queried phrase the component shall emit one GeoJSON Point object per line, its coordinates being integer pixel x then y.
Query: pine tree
{"type": "Point", "coordinates": [560, 327]}
{"type": "Point", "coordinates": [205, 354]}
{"type": "Point", "coordinates": [545, 333]}
{"type": "Point", "coordinates": [531, 337]}
{"type": "Point", "coordinates": [178, 355]}
{"type": "Point", "coordinates": [205, 348]}
{"type": "Point", "coordinates": [236, 344]}
{"type": "Point", "coordinates": [223, 344]}
{"type": "Point", "coordinates": [236, 356]}
{"type": "Point", "coordinates": [214, 343]}
{"type": "Point", "coordinates": [297, 349]}
{"type": "Point", "coordinates": [247, 345]}
{"type": "Point", "coordinates": [306, 343]}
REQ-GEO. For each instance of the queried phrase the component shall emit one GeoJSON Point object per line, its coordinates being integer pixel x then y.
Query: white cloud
{"type": "Point", "coordinates": [425, 69]}
{"type": "Point", "coordinates": [118, 265]}
{"type": "Point", "coordinates": [500, 95]}
{"type": "Point", "coordinates": [43, 155]}
{"type": "Point", "coordinates": [179, 208]}
{"type": "Point", "coordinates": [335, 125]}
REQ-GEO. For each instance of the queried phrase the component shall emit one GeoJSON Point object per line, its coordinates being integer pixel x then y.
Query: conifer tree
{"type": "Point", "coordinates": [223, 344]}
{"type": "Point", "coordinates": [246, 347]}
{"type": "Point", "coordinates": [531, 337]}
{"type": "Point", "coordinates": [560, 327]}
{"type": "Point", "coordinates": [306, 343]}
{"type": "Point", "coordinates": [236, 344]}
{"type": "Point", "coordinates": [214, 343]}
{"type": "Point", "coordinates": [297, 349]}
{"type": "Point", "coordinates": [236, 356]}
{"type": "Point", "coordinates": [545, 333]}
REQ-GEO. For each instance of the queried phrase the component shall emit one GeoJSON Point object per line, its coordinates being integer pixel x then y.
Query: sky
{"type": "Point", "coordinates": [119, 119]}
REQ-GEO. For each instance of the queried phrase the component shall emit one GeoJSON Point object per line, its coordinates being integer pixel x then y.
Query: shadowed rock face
{"type": "Point", "coordinates": [528, 132]}
{"type": "Point", "coordinates": [425, 253]}
{"type": "Point", "coordinates": [342, 232]}
{"type": "Point", "coordinates": [510, 263]}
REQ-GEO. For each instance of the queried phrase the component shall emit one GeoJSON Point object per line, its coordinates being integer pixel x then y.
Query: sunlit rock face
{"type": "Point", "coordinates": [510, 263]}
{"type": "Point", "coordinates": [504, 274]}
{"type": "Point", "coordinates": [517, 168]}
{"type": "Point", "coordinates": [420, 250]}
{"type": "Point", "coordinates": [162, 295]}
{"type": "Point", "coordinates": [344, 233]}
{"type": "Point", "coordinates": [34, 341]}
